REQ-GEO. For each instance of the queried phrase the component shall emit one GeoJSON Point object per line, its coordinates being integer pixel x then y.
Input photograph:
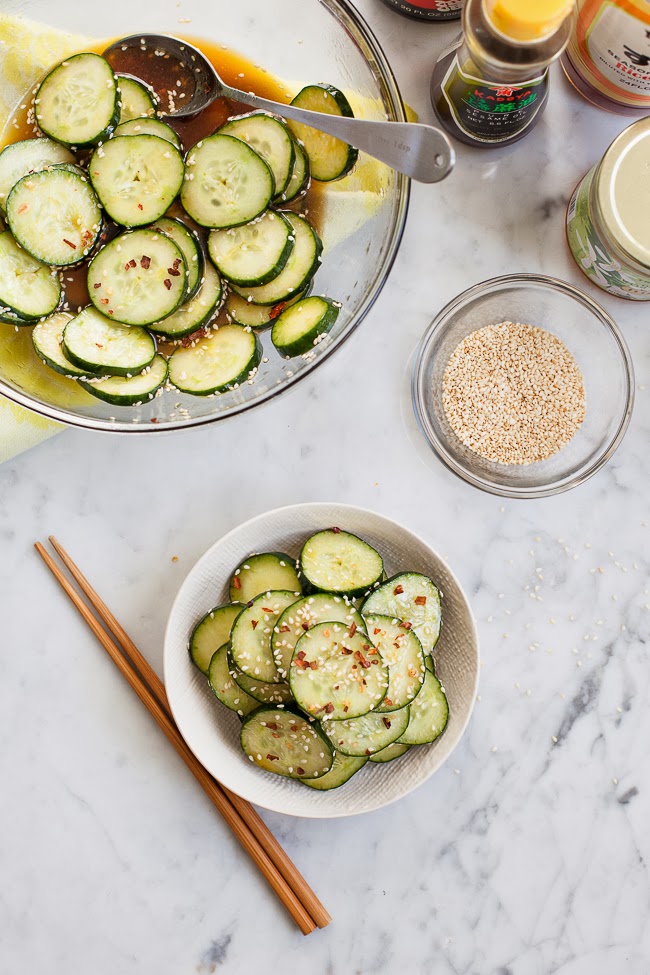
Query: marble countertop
{"type": "Point", "coordinates": [527, 854]}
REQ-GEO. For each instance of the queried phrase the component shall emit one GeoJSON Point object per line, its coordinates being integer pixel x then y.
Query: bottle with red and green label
{"type": "Point", "coordinates": [431, 10]}
{"type": "Point", "coordinates": [489, 88]}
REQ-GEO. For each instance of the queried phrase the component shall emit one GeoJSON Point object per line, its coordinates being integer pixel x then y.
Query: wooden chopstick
{"type": "Point", "coordinates": [257, 825]}
{"type": "Point", "coordinates": [214, 791]}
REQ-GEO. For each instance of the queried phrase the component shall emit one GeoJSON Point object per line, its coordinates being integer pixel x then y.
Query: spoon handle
{"type": "Point", "coordinates": [420, 151]}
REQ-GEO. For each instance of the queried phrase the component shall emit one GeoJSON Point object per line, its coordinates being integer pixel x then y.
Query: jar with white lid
{"type": "Point", "coordinates": [608, 217]}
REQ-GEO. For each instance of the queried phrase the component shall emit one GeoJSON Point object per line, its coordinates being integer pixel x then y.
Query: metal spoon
{"type": "Point", "coordinates": [420, 151]}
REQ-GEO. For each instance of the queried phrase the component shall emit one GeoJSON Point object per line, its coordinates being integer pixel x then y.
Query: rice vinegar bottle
{"type": "Point", "coordinates": [490, 87]}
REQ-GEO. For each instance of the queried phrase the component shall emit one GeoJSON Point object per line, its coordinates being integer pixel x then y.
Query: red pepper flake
{"type": "Point", "coordinates": [127, 265]}
{"type": "Point", "coordinates": [386, 722]}
{"type": "Point", "coordinates": [337, 531]}
{"type": "Point", "coordinates": [406, 626]}
{"type": "Point", "coordinates": [398, 590]}
{"type": "Point", "coordinates": [236, 583]}
{"type": "Point", "coordinates": [388, 701]}
{"type": "Point", "coordinates": [284, 628]}
{"type": "Point", "coordinates": [277, 310]}
{"type": "Point", "coordinates": [99, 345]}
{"type": "Point", "coordinates": [266, 609]}
{"type": "Point", "coordinates": [293, 727]}
{"type": "Point", "coordinates": [420, 600]}
{"type": "Point", "coordinates": [374, 661]}
{"type": "Point", "coordinates": [167, 284]}
{"type": "Point", "coordinates": [275, 734]}
{"type": "Point", "coordinates": [154, 419]}
{"type": "Point", "coordinates": [300, 771]}
{"type": "Point", "coordinates": [254, 623]}
{"type": "Point", "coordinates": [368, 751]}
{"type": "Point", "coordinates": [345, 708]}
{"type": "Point", "coordinates": [329, 707]}
{"type": "Point", "coordinates": [132, 262]}
{"type": "Point", "coordinates": [145, 262]}
{"type": "Point", "coordinates": [177, 262]}
{"type": "Point", "coordinates": [272, 725]}
{"type": "Point", "coordinates": [97, 284]}
{"type": "Point", "coordinates": [376, 630]}
{"type": "Point", "coordinates": [301, 655]}
{"type": "Point", "coordinates": [353, 629]}
{"type": "Point", "coordinates": [346, 651]}
{"type": "Point", "coordinates": [104, 301]}
{"type": "Point", "coordinates": [140, 207]}
{"type": "Point", "coordinates": [305, 626]}
{"type": "Point", "coordinates": [69, 243]}
{"type": "Point", "coordinates": [273, 758]}
{"type": "Point", "coordinates": [314, 665]}
{"type": "Point", "coordinates": [175, 273]}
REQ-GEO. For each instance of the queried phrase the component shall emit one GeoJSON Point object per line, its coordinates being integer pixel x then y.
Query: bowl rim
{"type": "Point", "coordinates": [169, 648]}
{"type": "Point", "coordinates": [350, 20]}
{"type": "Point", "coordinates": [438, 445]}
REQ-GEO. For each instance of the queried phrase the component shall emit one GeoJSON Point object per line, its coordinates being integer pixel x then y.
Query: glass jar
{"type": "Point", "coordinates": [608, 217]}
{"type": "Point", "coordinates": [431, 10]}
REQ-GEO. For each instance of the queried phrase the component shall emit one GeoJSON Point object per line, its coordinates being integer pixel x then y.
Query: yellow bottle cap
{"type": "Point", "coordinates": [527, 20]}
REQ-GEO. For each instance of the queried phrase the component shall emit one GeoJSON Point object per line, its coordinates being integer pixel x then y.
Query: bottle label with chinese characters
{"type": "Point", "coordinates": [488, 111]}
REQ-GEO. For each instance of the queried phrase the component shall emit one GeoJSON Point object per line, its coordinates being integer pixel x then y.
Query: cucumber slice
{"type": "Point", "coordinates": [335, 675]}
{"type": "Point", "coordinates": [303, 615]}
{"type": "Point", "coordinates": [412, 598]}
{"type": "Point", "coordinates": [133, 391]}
{"type": "Point", "coordinates": [106, 348]}
{"type": "Point", "coordinates": [284, 742]}
{"type": "Point", "coordinates": [210, 633]}
{"type": "Point", "coordinates": [253, 254]}
{"type": "Point", "coordinates": [197, 312]}
{"type": "Point", "coordinates": [224, 686]}
{"type": "Point", "coordinates": [337, 561]}
{"type": "Point", "coordinates": [55, 216]}
{"type": "Point", "coordinates": [28, 289]}
{"type": "Point", "coordinates": [300, 179]}
{"type": "Point", "coordinates": [429, 713]}
{"type": "Point", "coordinates": [226, 182]}
{"type": "Point", "coordinates": [47, 337]}
{"type": "Point", "coordinates": [216, 363]}
{"type": "Point", "coordinates": [329, 158]}
{"type": "Point", "coordinates": [262, 691]}
{"type": "Point", "coordinates": [390, 753]}
{"type": "Point", "coordinates": [403, 653]}
{"type": "Point", "coordinates": [343, 768]}
{"type": "Point", "coordinates": [28, 156]}
{"type": "Point", "coordinates": [188, 244]}
{"type": "Point", "coordinates": [148, 126]}
{"type": "Point", "coordinates": [78, 101]}
{"type": "Point", "coordinates": [301, 326]}
{"type": "Point", "coordinates": [259, 573]}
{"type": "Point", "coordinates": [244, 312]}
{"type": "Point", "coordinates": [250, 639]}
{"type": "Point", "coordinates": [138, 278]}
{"type": "Point", "coordinates": [270, 137]}
{"type": "Point", "coordinates": [137, 100]}
{"type": "Point", "coordinates": [136, 177]}
{"type": "Point", "coordinates": [367, 734]}
{"type": "Point", "coordinates": [298, 271]}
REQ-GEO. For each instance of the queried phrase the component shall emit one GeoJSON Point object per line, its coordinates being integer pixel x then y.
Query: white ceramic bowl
{"type": "Point", "coordinates": [212, 732]}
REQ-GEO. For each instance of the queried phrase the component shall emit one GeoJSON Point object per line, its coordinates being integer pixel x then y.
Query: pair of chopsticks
{"type": "Point", "coordinates": [264, 850]}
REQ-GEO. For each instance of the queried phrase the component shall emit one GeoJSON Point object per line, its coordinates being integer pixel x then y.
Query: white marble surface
{"type": "Point", "coordinates": [527, 854]}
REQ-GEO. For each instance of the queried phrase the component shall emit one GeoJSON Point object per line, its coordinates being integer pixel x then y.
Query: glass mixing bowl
{"type": "Point", "coordinates": [362, 216]}
{"type": "Point", "coordinates": [598, 348]}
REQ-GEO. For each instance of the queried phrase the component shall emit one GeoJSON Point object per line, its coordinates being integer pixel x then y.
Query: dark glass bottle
{"type": "Point", "coordinates": [489, 88]}
{"type": "Point", "coordinates": [431, 10]}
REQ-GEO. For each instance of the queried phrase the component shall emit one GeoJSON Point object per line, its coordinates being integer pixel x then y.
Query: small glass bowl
{"type": "Point", "coordinates": [598, 348]}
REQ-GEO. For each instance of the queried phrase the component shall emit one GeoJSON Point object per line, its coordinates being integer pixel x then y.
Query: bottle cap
{"type": "Point", "coordinates": [527, 20]}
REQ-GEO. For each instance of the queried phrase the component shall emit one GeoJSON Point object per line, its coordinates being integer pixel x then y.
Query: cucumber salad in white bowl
{"type": "Point", "coordinates": [321, 660]}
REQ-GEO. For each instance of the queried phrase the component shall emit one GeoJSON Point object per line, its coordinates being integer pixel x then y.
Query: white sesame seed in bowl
{"type": "Point", "coordinates": [523, 386]}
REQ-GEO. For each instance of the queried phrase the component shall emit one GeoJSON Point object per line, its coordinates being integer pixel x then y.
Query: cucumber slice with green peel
{"type": "Point", "coordinates": [77, 103]}
{"type": "Point", "coordinates": [138, 278]}
{"type": "Point", "coordinates": [28, 156]}
{"type": "Point", "coordinates": [403, 653]}
{"type": "Point", "coordinates": [337, 676]}
{"type": "Point", "coordinates": [301, 326]}
{"type": "Point", "coordinates": [412, 598]}
{"type": "Point", "coordinates": [224, 686]}
{"type": "Point", "coordinates": [337, 561]}
{"type": "Point", "coordinates": [137, 100]}
{"type": "Point", "coordinates": [262, 691]}
{"type": "Point", "coordinates": [222, 360]}
{"type": "Point", "coordinates": [8, 318]}
{"type": "Point", "coordinates": [106, 348]}
{"type": "Point", "coordinates": [133, 391]}
{"type": "Point", "coordinates": [136, 177]}
{"type": "Point", "coordinates": [226, 182]}
{"type": "Point", "coordinates": [28, 288]}
{"type": "Point", "coordinates": [55, 216]}
{"type": "Point", "coordinates": [148, 126]}
{"type": "Point", "coordinates": [195, 313]}
{"type": "Point", "coordinates": [298, 271]}
{"type": "Point", "coordinates": [270, 137]}
{"type": "Point", "coordinates": [329, 158]}
{"type": "Point", "coordinates": [262, 572]}
{"type": "Point", "coordinates": [47, 337]}
{"type": "Point", "coordinates": [253, 254]}
{"type": "Point", "coordinates": [367, 734]}
{"type": "Point", "coordinates": [284, 742]}
{"type": "Point", "coordinates": [390, 753]}
{"type": "Point", "coordinates": [210, 633]}
{"type": "Point", "coordinates": [299, 180]}
{"type": "Point", "coordinates": [188, 243]}
{"type": "Point", "coordinates": [250, 639]}
{"type": "Point", "coordinates": [342, 770]}
{"type": "Point", "coordinates": [303, 615]}
{"type": "Point", "coordinates": [429, 713]}
{"type": "Point", "coordinates": [244, 312]}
